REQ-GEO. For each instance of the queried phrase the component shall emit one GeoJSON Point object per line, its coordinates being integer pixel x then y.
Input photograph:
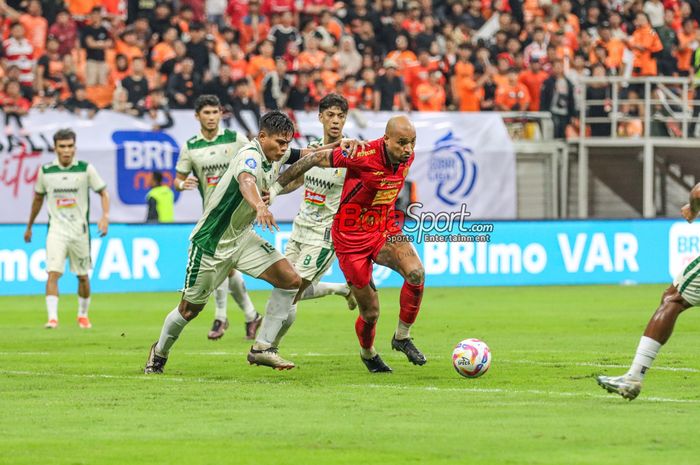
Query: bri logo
{"type": "Point", "coordinates": [139, 153]}
{"type": "Point", "coordinates": [453, 170]}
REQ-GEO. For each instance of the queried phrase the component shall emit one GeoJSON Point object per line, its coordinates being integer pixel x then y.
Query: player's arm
{"type": "Point", "coordinates": [292, 186]}
{"type": "Point", "coordinates": [691, 210]}
{"type": "Point", "coordinates": [185, 182]}
{"type": "Point", "coordinates": [36, 208]}
{"type": "Point", "coordinates": [249, 190]}
{"type": "Point", "coordinates": [322, 159]}
{"type": "Point", "coordinates": [103, 223]}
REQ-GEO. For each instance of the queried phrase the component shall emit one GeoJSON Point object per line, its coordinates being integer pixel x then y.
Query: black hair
{"type": "Point", "coordinates": [206, 100]}
{"type": "Point", "coordinates": [275, 122]}
{"type": "Point", "coordinates": [333, 100]}
{"type": "Point", "coordinates": [158, 177]}
{"type": "Point", "coordinates": [64, 134]}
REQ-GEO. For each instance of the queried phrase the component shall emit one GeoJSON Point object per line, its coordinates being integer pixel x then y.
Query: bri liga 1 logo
{"type": "Point", "coordinates": [453, 170]}
{"type": "Point", "coordinates": [139, 153]}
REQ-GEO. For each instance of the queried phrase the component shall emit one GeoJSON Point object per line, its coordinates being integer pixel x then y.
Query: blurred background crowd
{"type": "Point", "coordinates": [146, 57]}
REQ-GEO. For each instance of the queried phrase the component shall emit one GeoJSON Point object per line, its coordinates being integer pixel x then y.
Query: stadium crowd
{"type": "Point", "coordinates": [144, 57]}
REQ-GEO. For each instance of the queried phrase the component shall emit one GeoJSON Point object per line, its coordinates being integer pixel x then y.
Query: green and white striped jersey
{"type": "Point", "coordinates": [228, 217]}
{"type": "Point", "coordinates": [208, 159]}
{"type": "Point", "coordinates": [322, 190]}
{"type": "Point", "coordinates": [67, 195]}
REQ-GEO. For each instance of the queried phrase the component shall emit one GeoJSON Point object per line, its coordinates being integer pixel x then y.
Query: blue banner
{"type": "Point", "coordinates": [138, 258]}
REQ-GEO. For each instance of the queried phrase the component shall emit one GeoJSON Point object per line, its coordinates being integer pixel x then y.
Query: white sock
{"type": "Point", "coordinates": [220, 300]}
{"type": "Point", "coordinates": [52, 307]}
{"type": "Point", "coordinates": [643, 359]}
{"type": "Point", "coordinates": [368, 353]}
{"type": "Point", "coordinates": [277, 312]}
{"type": "Point", "coordinates": [403, 330]}
{"type": "Point", "coordinates": [291, 318]}
{"type": "Point", "coordinates": [172, 327]}
{"type": "Point", "coordinates": [236, 286]}
{"type": "Point", "coordinates": [83, 305]}
{"type": "Point", "coordinates": [316, 290]}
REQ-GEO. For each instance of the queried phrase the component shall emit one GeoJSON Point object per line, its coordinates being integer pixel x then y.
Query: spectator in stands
{"type": "Point", "coordinates": [120, 71]}
{"type": "Point", "coordinates": [312, 57]}
{"type": "Point", "coordinates": [171, 65]}
{"type": "Point", "coordinates": [128, 46]}
{"type": "Point", "coordinates": [254, 27]}
{"type": "Point", "coordinates": [389, 91]}
{"type": "Point", "coordinates": [161, 200]}
{"type": "Point", "coordinates": [670, 57]}
{"type": "Point", "coordinates": [687, 43]}
{"type": "Point", "coordinates": [275, 87]}
{"type": "Point", "coordinates": [533, 79]}
{"type": "Point", "coordinates": [431, 94]}
{"type": "Point", "coordinates": [80, 105]}
{"type": "Point", "coordinates": [49, 70]}
{"type": "Point", "coordinates": [121, 103]}
{"type": "Point", "coordinates": [222, 86]}
{"type": "Point", "coordinates": [558, 98]}
{"type": "Point", "coordinates": [299, 95]}
{"type": "Point", "coordinates": [14, 105]}
{"type": "Point", "coordinates": [644, 43]}
{"type": "Point", "coordinates": [136, 85]}
{"type": "Point", "coordinates": [242, 102]}
{"type": "Point", "coordinates": [160, 21]}
{"type": "Point", "coordinates": [19, 52]}
{"type": "Point", "coordinates": [65, 30]}
{"type": "Point", "coordinates": [197, 48]}
{"type": "Point", "coordinates": [36, 27]}
{"type": "Point", "coordinates": [283, 33]}
{"type": "Point", "coordinates": [158, 112]}
{"type": "Point", "coordinates": [599, 92]}
{"type": "Point", "coordinates": [512, 95]}
{"type": "Point", "coordinates": [96, 40]}
{"type": "Point", "coordinates": [184, 85]}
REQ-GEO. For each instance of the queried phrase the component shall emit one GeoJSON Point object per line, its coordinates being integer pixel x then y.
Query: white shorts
{"type": "Point", "coordinates": [310, 260]}
{"type": "Point", "coordinates": [77, 250]}
{"type": "Point", "coordinates": [205, 273]}
{"type": "Point", "coordinates": [688, 282]}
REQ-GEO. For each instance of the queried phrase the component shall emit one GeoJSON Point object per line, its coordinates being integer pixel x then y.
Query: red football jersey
{"type": "Point", "coordinates": [372, 183]}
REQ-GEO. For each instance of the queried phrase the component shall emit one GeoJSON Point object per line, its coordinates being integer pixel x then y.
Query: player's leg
{"type": "Point", "coordinates": [259, 259]}
{"type": "Point", "coordinates": [312, 261]}
{"type": "Point", "coordinates": [684, 294]}
{"type": "Point", "coordinates": [204, 273]}
{"type": "Point", "coordinates": [220, 324]}
{"type": "Point", "coordinates": [236, 286]}
{"type": "Point", "coordinates": [56, 251]}
{"type": "Point", "coordinates": [402, 257]}
{"type": "Point", "coordinates": [80, 264]}
{"type": "Point", "coordinates": [358, 272]}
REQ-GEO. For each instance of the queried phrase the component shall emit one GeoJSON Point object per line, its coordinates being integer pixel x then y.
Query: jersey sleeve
{"type": "Point", "coordinates": [340, 159]}
{"type": "Point", "coordinates": [184, 162]}
{"type": "Point", "coordinates": [247, 161]}
{"type": "Point", "coordinates": [40, 186]}
{"type": "Point", "coordinates": [94, 180]}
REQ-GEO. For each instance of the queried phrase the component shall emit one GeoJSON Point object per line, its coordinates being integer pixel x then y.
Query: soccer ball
{"type": "Point", "coordinates": [471, 358]}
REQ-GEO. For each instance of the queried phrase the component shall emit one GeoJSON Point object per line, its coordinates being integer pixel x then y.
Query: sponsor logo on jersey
{"type": "Point", "coordinates": [139, 153]}
{"type": "Point", "coordinates": [69, 202]}
{"type": "Point", "coordinates": [251, 163]}
{"type": "Point", "coordinates": [378, 173]}
{"type": "Point", "coordinates": [314, 198]}
{"type": "Point", "coordinates": [212, 181]}
{"type": "Point", "coordinates": [385, 196]}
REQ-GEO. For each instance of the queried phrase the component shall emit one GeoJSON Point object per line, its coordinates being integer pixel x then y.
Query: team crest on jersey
{"type": "Point", "coordinates": [251, 163]}
{"type": "Point", "coordinates": [314, 198]}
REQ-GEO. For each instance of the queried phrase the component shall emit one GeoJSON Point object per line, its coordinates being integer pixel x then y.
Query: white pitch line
{"type": "Point", "coordinates": [583, 395]}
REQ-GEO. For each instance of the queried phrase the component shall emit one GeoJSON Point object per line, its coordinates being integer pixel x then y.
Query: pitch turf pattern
{"type": "Point", "coordinates": [70, 396]}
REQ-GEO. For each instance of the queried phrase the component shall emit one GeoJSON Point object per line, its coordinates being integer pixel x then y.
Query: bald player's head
{"type": "Point", "coordinates": [399, 138]}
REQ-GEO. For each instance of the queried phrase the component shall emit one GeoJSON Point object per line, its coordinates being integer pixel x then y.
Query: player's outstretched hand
{"type": "Point", "coordinates": [264, 218]}
{"type": "Point", "coordinates": [687, 213]}
{"type": "Point", "coordinates": [190, 183]}
{"type": "Point", "coordinates": [103, 226]}
{"type": "Point", "coordinates": [28, 235]}
{"type": "Point", "coordinates": [352, 146]}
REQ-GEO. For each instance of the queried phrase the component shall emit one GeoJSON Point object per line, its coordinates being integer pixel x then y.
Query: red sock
{"type": "Point", "coordinates": [365, 332]}
{"type": "Point", "coordinates": [411, 296]}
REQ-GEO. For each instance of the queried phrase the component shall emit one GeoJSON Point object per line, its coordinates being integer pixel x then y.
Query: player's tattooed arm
{"type": "Point", "coordinates": [36, 208]}
{"type": "Point", "coordinates": [691, 210]}
{"type": "Point", "coordinates": [292, 186]}
{"type": "Point", "coordinates": [249, 190]}
{"type": "Point", "coordinates": [322, 159]}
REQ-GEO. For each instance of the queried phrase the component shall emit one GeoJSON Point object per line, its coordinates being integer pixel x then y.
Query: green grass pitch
{"type": "Point", "coordinates": [70, 396]}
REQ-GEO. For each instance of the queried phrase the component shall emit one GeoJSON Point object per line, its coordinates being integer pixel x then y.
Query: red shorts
{"type": "Point", "coordinates": [356, 265]}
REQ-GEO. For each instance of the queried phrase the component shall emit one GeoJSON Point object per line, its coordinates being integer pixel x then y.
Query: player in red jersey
{"type": "Point", "coordinates": [367, 229]}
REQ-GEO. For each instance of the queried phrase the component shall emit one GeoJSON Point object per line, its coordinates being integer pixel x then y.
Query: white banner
{"type": "Point", "coordinates": [461, 158]}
